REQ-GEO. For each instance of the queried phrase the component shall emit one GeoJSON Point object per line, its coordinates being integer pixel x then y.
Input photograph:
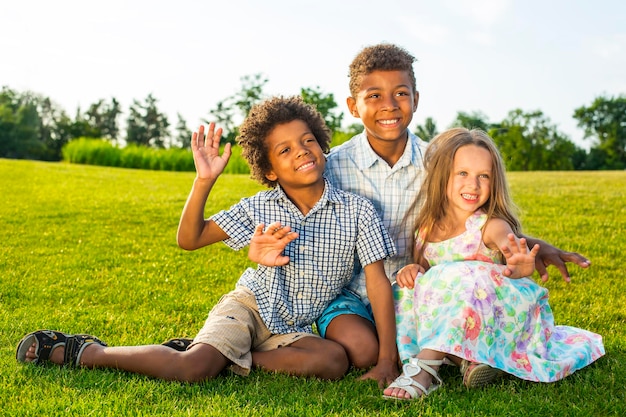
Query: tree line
{"type": "Point", "coordinates": [32, 126]}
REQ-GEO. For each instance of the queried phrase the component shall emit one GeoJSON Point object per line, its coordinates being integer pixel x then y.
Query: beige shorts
{"type": "Point", "coordinates": [235, 328]}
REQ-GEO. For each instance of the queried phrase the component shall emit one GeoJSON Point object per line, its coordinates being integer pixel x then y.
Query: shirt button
{"type": "Point", "coordinates": [290, 322]}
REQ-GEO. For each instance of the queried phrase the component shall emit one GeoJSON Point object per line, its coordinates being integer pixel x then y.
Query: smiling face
{"type": "Point", "coordinates": [469, 185]}
{"type": "Point", "coordinates": [385, 103]}
{"type": "Point", "coordinates": [296, 157]}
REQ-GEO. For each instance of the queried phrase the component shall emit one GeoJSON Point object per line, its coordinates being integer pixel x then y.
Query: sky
{"type": "Point", "coordinates": [488, 56]}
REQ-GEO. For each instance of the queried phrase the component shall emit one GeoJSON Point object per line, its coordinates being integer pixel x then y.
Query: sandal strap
{"type": "Point", "coordinates": [407, 383]}
{"type": "Point", "coordinates": [45, 342]}
{"type": "Point", "coordinates": [180, 343]}
{"type": "Point", "coordinates": [415, 365]}
{"type": "Point", "coordinates": [413, 368]}
{"type": "Point", "coordinates": [74, 347]}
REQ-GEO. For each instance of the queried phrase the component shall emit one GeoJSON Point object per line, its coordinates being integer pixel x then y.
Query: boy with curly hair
{"type": "Point", "coordinates": [315, 235]}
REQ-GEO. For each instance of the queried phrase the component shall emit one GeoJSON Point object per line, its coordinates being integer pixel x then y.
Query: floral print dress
{"type": "Point", "coordinates": [463, 305]}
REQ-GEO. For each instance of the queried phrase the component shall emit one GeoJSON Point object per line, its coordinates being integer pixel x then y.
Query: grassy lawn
{"type": "Point", "coordinates": [92, 249]}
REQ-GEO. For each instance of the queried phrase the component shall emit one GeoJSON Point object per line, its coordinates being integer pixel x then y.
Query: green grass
{"type": "Point", "coordinates": [93, 249]}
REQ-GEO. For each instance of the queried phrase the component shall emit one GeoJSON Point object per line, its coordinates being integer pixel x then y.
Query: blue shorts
{"type": "Point", "coordinates": [346, 303]}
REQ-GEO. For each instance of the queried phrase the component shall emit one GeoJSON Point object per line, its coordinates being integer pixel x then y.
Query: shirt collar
{"type": "Point", "coordinates": [366, 157]}
{"type": "Point", "coordinates": [330, 194]}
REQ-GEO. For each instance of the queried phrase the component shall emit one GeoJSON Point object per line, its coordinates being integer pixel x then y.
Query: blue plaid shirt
{"type": "Point", "coordinates": [355, 167]}
{"type": "Point", "coordinates": [341, 231]}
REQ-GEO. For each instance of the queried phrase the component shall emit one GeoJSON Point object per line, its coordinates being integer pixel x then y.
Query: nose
{"type": "Point", "coordinates": [302, 151]}
{"type": "Point", "coordinates": [390, 102]}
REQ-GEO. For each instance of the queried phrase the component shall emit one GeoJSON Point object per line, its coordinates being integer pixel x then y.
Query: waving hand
{"type": "Point", "coordinates": [206, 152]}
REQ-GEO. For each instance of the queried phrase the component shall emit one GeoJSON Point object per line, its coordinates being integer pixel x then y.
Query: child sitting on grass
{"type": "Point", "coordinates": [316, 233]}
{"type": "Point", "coordinates": [474, 302]}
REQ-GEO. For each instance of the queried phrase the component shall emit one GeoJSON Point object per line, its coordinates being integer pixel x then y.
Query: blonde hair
{"type": "Point", "coordinates": [438, 163]}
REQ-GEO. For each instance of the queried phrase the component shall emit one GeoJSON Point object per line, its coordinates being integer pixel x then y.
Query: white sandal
{"type": "Point", "coordinates": [407, 383]}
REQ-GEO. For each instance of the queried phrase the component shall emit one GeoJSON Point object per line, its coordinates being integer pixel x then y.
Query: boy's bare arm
{"type": "Point", "coordinates": [193, 230]}
{"type": "Point", "coordinates": [381, 297]}
{"type": "Point", "coordinates": [551, 255]}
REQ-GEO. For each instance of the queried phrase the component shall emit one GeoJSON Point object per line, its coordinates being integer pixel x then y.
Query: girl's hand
{"type": "Point", "coordinates": [405, 278]}
{"type": "Point", "coordinates": [266, 247]}
{"type": "Point", "coordinates": [519, 261]}
{"type": "Point", "coordinates": [206, 153]}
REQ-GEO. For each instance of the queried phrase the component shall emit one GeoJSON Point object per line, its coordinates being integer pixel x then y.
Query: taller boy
{"type": "Point", "coordinates": [384, 163]}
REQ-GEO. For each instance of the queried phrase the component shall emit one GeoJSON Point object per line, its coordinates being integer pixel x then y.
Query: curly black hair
{"type": "Point", "coordinates": [263, 118]}
{"type": "Point", "coordinates": [381, 57]}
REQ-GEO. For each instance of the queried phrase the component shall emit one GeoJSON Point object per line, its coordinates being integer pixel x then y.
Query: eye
{"type": "Point", "coordinates": [463, 173]}
{"type": "Point", "coordinates": [484, 176]}
{"type": "Point", "coordinates": [282, 151]}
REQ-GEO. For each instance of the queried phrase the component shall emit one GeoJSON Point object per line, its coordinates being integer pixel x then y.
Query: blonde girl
{"type": "Point", "coordinates": [474, 303]}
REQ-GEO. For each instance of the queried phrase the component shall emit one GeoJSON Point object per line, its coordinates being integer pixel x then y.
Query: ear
{"type": "Point", "coordinates": [351, 102]}
{"type": "Point", "coordinates": [416, 100]}
{"type": "Point", "coordinates": [271, 176]}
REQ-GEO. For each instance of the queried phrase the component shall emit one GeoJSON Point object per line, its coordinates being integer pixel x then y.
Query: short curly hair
{"type": "Point", "coordinates": [263, 118]}
{"type": "Point", "coordinates": [381, 57]}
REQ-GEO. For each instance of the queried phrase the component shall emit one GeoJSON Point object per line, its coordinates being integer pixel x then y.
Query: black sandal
{"type": "Point", "coordinates": [47, 340]}
{"type": "Point", "coordinates": [180, 344]}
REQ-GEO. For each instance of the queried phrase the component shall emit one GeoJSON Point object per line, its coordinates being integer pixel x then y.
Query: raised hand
{"type": "Point", "coordinates": [520, 262]}
{"type": "Point", "coordinates": [206, 152]}
{"type": "Point", "coordinates": [267, 247]}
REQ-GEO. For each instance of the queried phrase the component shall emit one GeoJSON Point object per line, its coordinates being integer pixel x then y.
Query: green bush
{"type": "Point", "coordinates": [100, 152]}
{"type": "Point", "coordinates": [91, 152]}
{"type": "Point", "coordinates": [236, 164]}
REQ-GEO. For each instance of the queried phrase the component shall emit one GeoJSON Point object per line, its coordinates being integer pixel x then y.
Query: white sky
{"type": "Point", "coordinates": [490, 56]}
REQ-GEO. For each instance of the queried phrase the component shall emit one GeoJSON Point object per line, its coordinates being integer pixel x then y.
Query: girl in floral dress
{"type": "Point", "coordinates": [474, 303]}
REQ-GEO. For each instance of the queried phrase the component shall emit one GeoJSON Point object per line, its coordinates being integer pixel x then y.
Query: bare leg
{"type": "Point", "coordinates": [197, 364]}
{"type": "Point", "coordinates": [309, 356]}
{"type": "Point", "coordinates": [357, 336]}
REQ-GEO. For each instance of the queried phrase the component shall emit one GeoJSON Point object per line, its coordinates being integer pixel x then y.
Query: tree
{"type": "Point", "coordinates": [146, 125]}
{"type": "Point", "coordinates": [325, 104]}
{"type": "Point", "coordinates": [102, 118]}
{"type": "Point", "coordinates": [9, 145]}
{"type": "Point", "coordinates": [343, 135]}
{"type": "Point", "coordinates": [230, 112]}
{"type": "Point", "coordinates": [183, 133]}
{"type": "Point", "coordinates": [27, 126]}
{"type": "Point", "coordinates": [81, 127]}
{"type": "Point", "coordinates": [474, 120]}
{"type": "Point", "coordinates": [605, 120]}
{"type": "Point", "coordinates": [528, 141]}
{"type": "Point", "coordinates": [428, 130]}
{"type": "Point", "coordinates": [54, 132]}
